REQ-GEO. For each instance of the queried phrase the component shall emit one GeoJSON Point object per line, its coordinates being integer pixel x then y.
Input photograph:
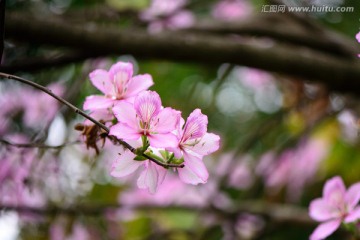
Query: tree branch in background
{"type": "Point", "coordinates": [286, 30]}
{"type": "Point", "coordinates": [2, 27]}
{"type": "Point", "coordinates": [338, 74]}
{"type": "Point", "coordinates": [39, 63]}
{"type": "Point", "coordinates": [80, 112]}
{"type": "Point", "coordinates": [280, 213]}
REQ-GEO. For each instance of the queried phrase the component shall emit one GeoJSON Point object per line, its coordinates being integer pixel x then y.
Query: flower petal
{"type": "Point", "coordinates": [352, 195]}
{"type": "Point", "coordinates": [176, 150]}
{"type": "Point", "coordinates": [147, 105]}
{"type": "Point", "coordinates": [162, 173]}
{"type": "Point", "coordinates": [353, 216]}
{"type": "Point", "coordinates": [121, 72]}
{"type": "Point", "coordinates": [149, 178]}
{"type": "Point", "coordinates": [123, 131]}
{"type": "Point", "coordinates": [321, 211]}
{"type": "Point", "coordinates": [208, 144]}
{"type": "Point", "coordinates": [194, 172]}
{"type": "Point", "coordinates": [163, 140]}
{"type": "Point", "coordinates": [95, 102]}
{"type": "Point", "coordinates": [139, 83]}
{"type": "Point", "coordinates": [125, 165]}
{"type": "Point", "coordinates": [195, 126]}
{"type": "Point", "coordinates": [188, 176]}
{"type": "Point", "coordinates": [334, 192]}
{"type": "Point", "coordinates": [125, 113]}
{"type": "Point", "coordinates": [325, 229]}
{"type": "Point", "coordinates": [100, 79]}
{"type": "Point", "coordinates": [167, 120]}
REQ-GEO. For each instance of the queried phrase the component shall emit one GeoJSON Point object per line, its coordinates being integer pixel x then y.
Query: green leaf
{"type": "Point", "coordinates": [140, 158]}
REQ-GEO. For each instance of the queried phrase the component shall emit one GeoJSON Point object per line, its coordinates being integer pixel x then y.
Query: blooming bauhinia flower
{"type": "Point", "coordinates": [336, 205]}
{"type": "Point", "coordinates": [193, 143]}
{"type": "Point", "coordinates": [117, 84]}
{"type": "Point", "coordinates": [151, 176]}
{"type": "Point", "coordinates": [146, 117]}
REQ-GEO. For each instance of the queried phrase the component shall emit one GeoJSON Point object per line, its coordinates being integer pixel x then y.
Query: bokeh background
{"type": "Point", "coordinates": [282, 135]}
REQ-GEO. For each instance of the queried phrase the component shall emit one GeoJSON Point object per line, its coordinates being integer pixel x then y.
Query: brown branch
{"type": "Point", "coordinates": [284, 29]}
{"type": "Point", "coordinates": [39, 63]}
{"type": "Point", "coordinates": [338, 74]}
{"type": "Point", "coordinates": [80, 112]}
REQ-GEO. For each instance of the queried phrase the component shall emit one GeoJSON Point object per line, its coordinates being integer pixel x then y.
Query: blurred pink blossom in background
{"type": "Point", "coordinates": [30, 103]}
{"type": "Point", "coordinates": [294, 168]}
{"type": "Point", "coordinates": [59, 231]}
{"type": "Point", "coordinates": [248, 225]}
{"type": "Point", "coordinates": [237, 170]}
{"type": "Point", "coordinates": [36, 112]}
{"type": "Point", "coordinates": [232, 10]}
{"type": "Point", "coordinates": [255, 79]}
{"type": "Point", "coordinates": [167, 14]}
{"type": "Point", "coordinates": [349, 127]}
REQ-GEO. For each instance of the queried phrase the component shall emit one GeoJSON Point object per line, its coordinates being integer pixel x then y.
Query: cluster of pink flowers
{"type": "Point", "coordinates": [336, 206]}
{"type": "Point", "coordinates": [157, 131]}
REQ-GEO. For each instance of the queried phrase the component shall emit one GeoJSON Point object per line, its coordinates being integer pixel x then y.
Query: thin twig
{"type": "Point", "coordinates": [36, 145]}
{"type": "Point", "coordinates": [78, 111]}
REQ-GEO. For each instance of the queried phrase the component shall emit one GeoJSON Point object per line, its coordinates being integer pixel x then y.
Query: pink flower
{"type": "Point", "coordinates": [335, 206]}
{"type": "Point", "coordinates": [193, 143]}
{"type": "Point", "coordinates": [255, 79]}
{"type": "Point", "coordinates": [146, 118]}
{"type": "Point", "coordinates": [151, 176]}
{"type": "Point", "coordinates": [116, 85]}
